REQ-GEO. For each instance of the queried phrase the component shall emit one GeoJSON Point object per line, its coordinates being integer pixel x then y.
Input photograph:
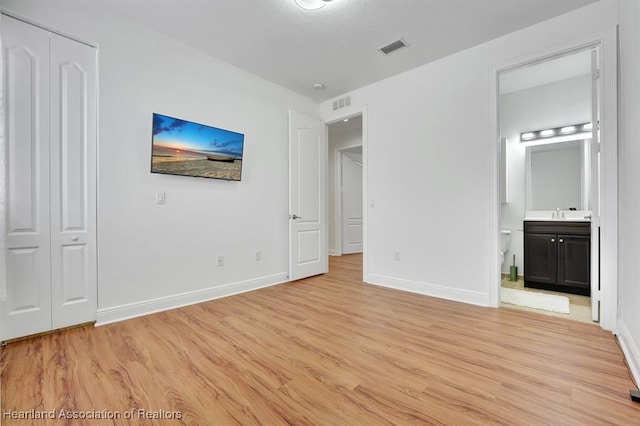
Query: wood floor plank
{"type": "Point", "coordinates": [325, 350]}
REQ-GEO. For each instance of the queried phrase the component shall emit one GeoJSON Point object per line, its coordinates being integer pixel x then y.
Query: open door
{"type": "Point", "coordinates": [595, 188]}
{"type": "Point", "coordinates": [308, 254]}
{"type": "Point", "coordinates": [352, 221]}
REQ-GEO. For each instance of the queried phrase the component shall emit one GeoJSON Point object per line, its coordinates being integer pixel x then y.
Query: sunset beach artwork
{"type": "Point", "coordinates": [185, 148]}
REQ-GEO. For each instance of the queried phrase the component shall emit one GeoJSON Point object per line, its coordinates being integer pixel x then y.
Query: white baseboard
{"type": "Point", "coordinates": [137, 309]}
{"type": "Point", "coordinates": [433, 290]}
{"type": "Point", "coordinates": [629, 349]}
{"type": "Point", "coordinates": [334, 252]}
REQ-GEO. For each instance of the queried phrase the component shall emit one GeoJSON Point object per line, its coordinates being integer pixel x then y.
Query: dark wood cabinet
{"type": "Point", "coordinates": [557, 256]}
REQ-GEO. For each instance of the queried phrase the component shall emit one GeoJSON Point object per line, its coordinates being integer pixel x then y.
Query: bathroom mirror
{"type": "Point", "coordinates": [558, 176]}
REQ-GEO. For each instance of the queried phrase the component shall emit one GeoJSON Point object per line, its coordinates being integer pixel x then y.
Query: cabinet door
{"type": "Point", "coordinates": [73, 182]}
{"type": "Point", "coordinates": [540, 258]}
{"type": "Point", "coordinates": [574, 261]}
{"type": "Point", "coordinates": [25, 306]}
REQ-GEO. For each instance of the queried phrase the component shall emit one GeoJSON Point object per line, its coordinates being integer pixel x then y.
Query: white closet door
{"type": "Point", "coordinates": [27, 308]}
{"type": "Point", "coordinates": [73, 182]}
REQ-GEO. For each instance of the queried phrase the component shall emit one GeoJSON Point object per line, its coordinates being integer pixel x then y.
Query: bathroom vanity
{"type": "Point", "coordinates": [557, 255]}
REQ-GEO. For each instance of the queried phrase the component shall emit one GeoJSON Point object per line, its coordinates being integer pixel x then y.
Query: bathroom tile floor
{"type": "Point", "coordinates": [579, 306]}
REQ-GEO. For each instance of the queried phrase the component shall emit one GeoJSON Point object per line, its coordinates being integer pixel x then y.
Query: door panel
{"type": "Point", "coordinates": [309, 244]}
{"type": "Point", "coordinates": [73, 184]}
{"type": "Point", "coordinates": [307, 197]}
{"type": "Point", "coordinates": [24, 297]}
{"type": "Point", "coordinates": [309, 151]}
{"type": "Point", "coordinates": [27, 308]}
{"type": "Point", "coordinates": [73, 138]}
{"type": "Point", "coordinates": [540, 258]}
{"type": "Point", "coordinates": [574, 261]}
{"type": "Point", "coordinates": [352, 221]}
{"type": "Point", "coordinates": [25, 144]}
{"type": "Point", "coordinates": [75, 280]}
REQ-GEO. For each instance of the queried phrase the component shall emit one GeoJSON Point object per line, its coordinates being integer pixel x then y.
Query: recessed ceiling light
{"type": "Point", "coordinates": [318, 86]}
{"type": "Point", "coordinates": [345, 120]}
{"type": "Point", "coordinates": [311, 4]}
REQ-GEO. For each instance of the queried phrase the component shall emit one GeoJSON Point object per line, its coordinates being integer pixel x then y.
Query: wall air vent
{"type": "Point", "coordinates": [342, 103]}
{"type": "Point", "coordinates": [392, 47]}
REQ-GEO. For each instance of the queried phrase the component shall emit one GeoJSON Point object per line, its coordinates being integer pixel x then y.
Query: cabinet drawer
{"type": "Point", "coordinates": [556, 227]}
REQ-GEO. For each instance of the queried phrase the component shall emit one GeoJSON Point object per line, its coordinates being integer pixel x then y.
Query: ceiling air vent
{"type": "Point", "coordinates": [393, 46]}
{"type": "Point", "coordinates": [342, 103]}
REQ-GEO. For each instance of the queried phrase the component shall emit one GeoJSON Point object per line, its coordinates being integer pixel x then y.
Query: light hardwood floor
{"type": "Point", "coordinates": [327, 351]}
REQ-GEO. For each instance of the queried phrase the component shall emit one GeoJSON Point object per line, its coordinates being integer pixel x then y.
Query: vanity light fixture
{"type": "Point", "coordinates": [527, 136]}
{"type": "Point", "coordinates": [311, 4]}
{"type": "Point", "coordinates": [557, 134]}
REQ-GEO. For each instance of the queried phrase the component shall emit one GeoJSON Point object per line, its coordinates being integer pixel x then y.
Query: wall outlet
{"type": "Point", "coordinates": [220, 261]}
{"type": "Point", "coordinates": [258, 255]}
{"type": "Point", "coordinates": [397, 255]}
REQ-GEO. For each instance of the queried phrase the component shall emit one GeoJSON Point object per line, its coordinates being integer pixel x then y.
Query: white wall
{"type": "Point", "coordinates": [429, 162]}
{"type": "Point", "coordinates": [547, 106]}
{"type": "Point", "coordinates": [337, 142]}
{"type": "Point", "coordinates": [629, 322]}
{"type": "Point", "coordinates": [157, 256]}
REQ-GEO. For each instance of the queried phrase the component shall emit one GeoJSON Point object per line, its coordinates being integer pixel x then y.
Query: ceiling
{"type": "Point", "coordinates": [336, 45]}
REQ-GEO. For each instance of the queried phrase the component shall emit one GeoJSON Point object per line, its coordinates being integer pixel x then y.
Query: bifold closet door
{"type": "Point", "coordinates": [27, 308]}
{"type": "Point", "coordinates": [73, 182]}
{"type": "Point", "coordinates": [50, 138]}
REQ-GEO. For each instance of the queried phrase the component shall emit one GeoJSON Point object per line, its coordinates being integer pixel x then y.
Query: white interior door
{"type": "Point", "coordinates": [351, 203]}
{"type": "Point", "coordinates": [595, 188]}
{"type": "Point", "coordinates": [307, 197]}
{"type": "Point", "coordinates": [73, 182]}
{"type": "Point", "coordinates": [26, 309]}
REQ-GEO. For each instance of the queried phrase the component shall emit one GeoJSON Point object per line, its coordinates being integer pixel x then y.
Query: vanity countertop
{"type": "Point", "coordinates": [557, 216]}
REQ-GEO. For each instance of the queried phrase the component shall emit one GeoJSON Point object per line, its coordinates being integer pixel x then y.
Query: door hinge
{"type": "Point", "coordinates": [596, 74]}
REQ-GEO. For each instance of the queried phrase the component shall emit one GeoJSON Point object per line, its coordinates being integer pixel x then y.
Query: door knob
{"type": "Point", "coordinates": [74, 238]}
{"type": "Point", "coordinates": [295, 216]}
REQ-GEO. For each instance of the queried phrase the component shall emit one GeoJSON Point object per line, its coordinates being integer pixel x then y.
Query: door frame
{"type": "Point", "coordinates": [337, 192]}
{"type": "Point", "coordinates": [335, 117]}
{"type": "Point", "coordinates": [607, 40]}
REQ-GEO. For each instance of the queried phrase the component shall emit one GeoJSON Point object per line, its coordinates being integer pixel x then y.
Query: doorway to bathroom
{"type": "Point", "coordinates": [550, 186]}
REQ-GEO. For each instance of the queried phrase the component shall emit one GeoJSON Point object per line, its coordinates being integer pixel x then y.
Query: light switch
{"type": "Point", "coordinates": [160, 197]}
